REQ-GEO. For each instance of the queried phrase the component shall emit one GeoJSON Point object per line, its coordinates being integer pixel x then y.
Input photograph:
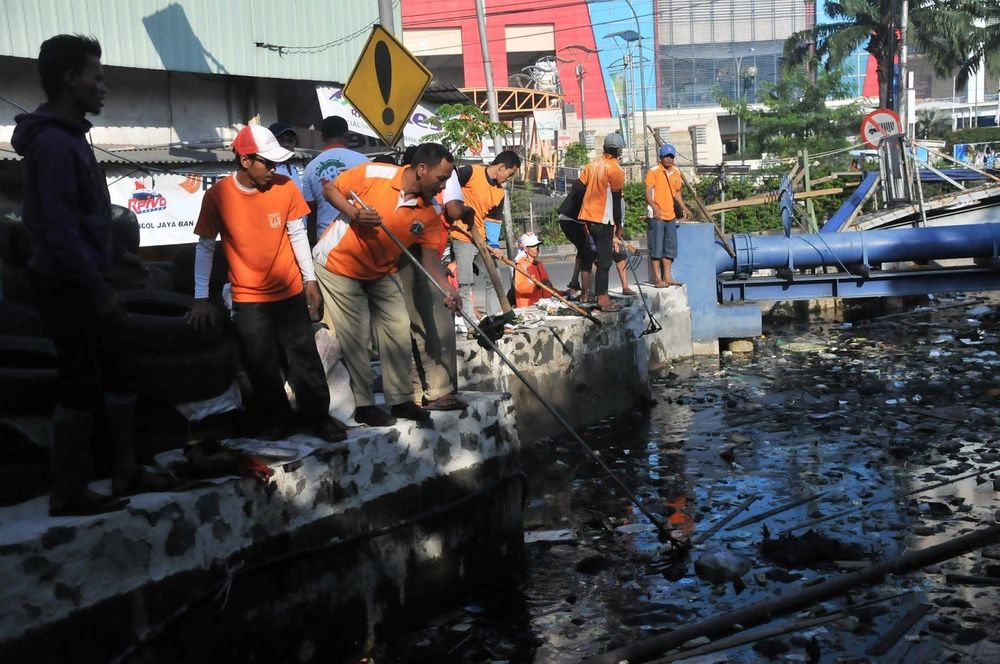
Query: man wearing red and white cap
{"type": "Point", "coordinates": [261, 217]}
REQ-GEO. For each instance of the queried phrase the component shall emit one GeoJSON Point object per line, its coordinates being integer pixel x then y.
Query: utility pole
{"type": "Point", "coordinates": [385, 17]}
{"type": "Point", "coordinates": [491, 102]}
{"type": "Point", "coordinates": [904, 93]}
{"type": "Point", "coordinates": [580, 71]}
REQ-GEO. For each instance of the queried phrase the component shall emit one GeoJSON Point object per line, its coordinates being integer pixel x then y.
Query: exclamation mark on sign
{"type": "Point", "coordinates": [383, 72]}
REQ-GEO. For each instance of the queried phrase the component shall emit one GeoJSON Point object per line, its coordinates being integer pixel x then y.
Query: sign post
{"type": "Point", "coordinates": [386, 84]}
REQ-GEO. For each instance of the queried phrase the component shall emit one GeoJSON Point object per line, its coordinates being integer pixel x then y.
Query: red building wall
{"type": "Point", "coordinates": [571, 24]}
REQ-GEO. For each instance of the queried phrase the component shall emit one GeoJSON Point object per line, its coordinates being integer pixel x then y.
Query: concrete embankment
{"type": "Point", "coordinates": [343, 540]}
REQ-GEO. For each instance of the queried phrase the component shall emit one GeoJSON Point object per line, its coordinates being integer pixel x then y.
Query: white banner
{"type": "Point", "coordinates": [167, 206]}
{"type": "Point", "coordinates": [548, 122]}
{"type": "Point", "coordinates": [332, 102]}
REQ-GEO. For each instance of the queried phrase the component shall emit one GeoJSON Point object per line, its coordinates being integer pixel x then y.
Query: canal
{"type": "Point", "coordinates": [854, 411]}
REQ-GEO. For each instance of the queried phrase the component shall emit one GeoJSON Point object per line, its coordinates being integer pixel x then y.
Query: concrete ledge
{"type": "Point", "coordinates": [586, 371]}
{"type": "Point", "coordinates": [55, 569]}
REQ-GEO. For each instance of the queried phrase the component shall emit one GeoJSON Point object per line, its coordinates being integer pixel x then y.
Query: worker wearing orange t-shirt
{"type": "Point", "coordinates": [261, 218]}
{"type": "Point", "coordinates": [598, 194]}
{"type": "Point", "coordinates": [356, 266]}
{"type": "Point", "coordinates": [526, 293]}
{"type": "Point", "coordinates": [666, 206]}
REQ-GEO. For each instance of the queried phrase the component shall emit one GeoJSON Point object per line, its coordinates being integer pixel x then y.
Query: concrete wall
{"type": "Point", "coordinates": [146, 108]}
{"type": "Point", "coordinates": [95, 584]}
{"type": "Point", "coordinates": [586, 371]}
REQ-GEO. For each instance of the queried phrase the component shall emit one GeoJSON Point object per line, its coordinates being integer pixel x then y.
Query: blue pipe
{"type": "Point", "coordinates": [757, 252]}
{"type": "Point", "coordinates": [851, 204]}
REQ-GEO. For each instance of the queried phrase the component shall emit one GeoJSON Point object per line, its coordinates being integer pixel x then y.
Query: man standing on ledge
{"type": "Point", "coordinates": [482, 189]}
{"type": "Point", "coordinates": [666, 206]}
{"type": "Point", "coordinates": [599, 190]}
{"type": "Point", "coordinates": [356, 265]}
{"type": "Point", "coordinates": [261, 217]}
{"type": "Point", "coordinates": [67, 212]}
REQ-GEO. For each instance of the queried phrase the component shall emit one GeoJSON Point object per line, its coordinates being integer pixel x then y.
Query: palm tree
{"type": "Point", "coordinates": [943, 30]}
{"type": "Point", "coordinates": [986, 40]}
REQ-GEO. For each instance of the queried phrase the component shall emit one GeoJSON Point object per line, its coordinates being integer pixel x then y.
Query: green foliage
{"type": "Point", "coordinates": [933, 123]}
{"type": "Point", "coordinates": [973, 135]}
{"type": "Point", "coordinates": [634, 194]}
{"type": "Point", "coordinates": [576, 155]}
{"type": "Point", "coordinates": [796, 116]}
{"type": "Point", "coordinates": [943, 31]}
{"type": "Point", "coordinates": [463, 128]}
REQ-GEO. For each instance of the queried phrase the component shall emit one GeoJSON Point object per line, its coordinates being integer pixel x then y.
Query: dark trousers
{"type": "Point", "coordinates": [603, 235]}
{"type": "Point", "coordinates": [268, 330]}
{"type": "Point", "coordinates": [92, 352]}
{"type": "Point", "coordinates": [576, 233]}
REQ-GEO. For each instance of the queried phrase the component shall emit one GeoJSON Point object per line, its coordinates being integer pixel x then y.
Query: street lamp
{"type": "Point", "coordinates": [751, 73]}
{"type": "Point", "coordinates": [580, 71]}
{"type": "Point", "coordinates": [642, 74]}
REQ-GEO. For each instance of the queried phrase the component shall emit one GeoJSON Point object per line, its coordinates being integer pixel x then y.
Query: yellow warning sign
{"type": "Point", "coordinates": [386, 84]}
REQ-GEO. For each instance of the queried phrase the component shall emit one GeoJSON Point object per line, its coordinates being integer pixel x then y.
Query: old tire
{"type": "Point", "coordinates": [20, 320]}
{"type": "Point", "coordinates": [157, 323]}
{"type": "Point", "coordinates": [15, 241]}
{"type": "Point", "coordinates": [183, 269]}
{"type": "Point", "coordinates": [124, 229]}
{"type": "Point", "coordinates": [28, 379]}
{"type": "Point", "coordinates": [184, 377]}
{"type": "Point", "coordinates": [14, 283]}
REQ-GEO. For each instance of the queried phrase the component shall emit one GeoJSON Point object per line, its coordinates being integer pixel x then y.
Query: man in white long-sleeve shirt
{"type": "Point", "coordinates": [261, 217]}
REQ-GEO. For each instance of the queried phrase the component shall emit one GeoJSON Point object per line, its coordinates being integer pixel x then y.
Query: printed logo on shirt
{"type": "Point", "coordinates": [146, 200]}
{"type": "Point", "coordinates": [417, 228]}
{"type": "Point", "coordinates": [329, 169]}
{"type": "Point", "coordinates": [274, 219]}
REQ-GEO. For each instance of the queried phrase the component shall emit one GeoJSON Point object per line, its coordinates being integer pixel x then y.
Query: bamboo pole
{"type": "Point", "coordinates": [767, 610]}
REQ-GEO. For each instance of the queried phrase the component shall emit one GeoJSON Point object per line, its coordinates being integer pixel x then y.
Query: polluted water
{"type": "Point", "coordinates": [841, 441]}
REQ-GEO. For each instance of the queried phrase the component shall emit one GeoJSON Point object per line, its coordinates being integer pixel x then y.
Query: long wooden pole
{"type": "Point", "coordinates": [765, 611]}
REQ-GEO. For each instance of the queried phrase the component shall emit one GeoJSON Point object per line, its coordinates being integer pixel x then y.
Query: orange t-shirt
{"type": "Point", "coordinates": [665, 186]}
{"type": "Point", "coordinates": [602, 176]}
{"type": "Point", "coordinates": [365, 253]}
{"type": "Point", "coordinates": [482, 197]}
{"type": "Point", "coordinates": [262, 265]}
{"type": "Point", "coordinates": [527, 293]}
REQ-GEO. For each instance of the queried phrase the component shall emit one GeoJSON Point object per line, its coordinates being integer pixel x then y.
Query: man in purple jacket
{"type": "Point", "coordinates": [68, 214]}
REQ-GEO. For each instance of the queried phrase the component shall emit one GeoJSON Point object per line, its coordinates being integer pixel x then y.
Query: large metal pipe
{"type": "Point", "coordinates": [757, 252]}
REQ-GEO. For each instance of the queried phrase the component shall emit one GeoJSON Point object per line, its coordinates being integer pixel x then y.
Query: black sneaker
{"type": "Point", "coordinates": [410, 411]}
{"type": "Point", "coordinates": [373, 416]}
{"type": "Point", "coordinates": [330, 430]}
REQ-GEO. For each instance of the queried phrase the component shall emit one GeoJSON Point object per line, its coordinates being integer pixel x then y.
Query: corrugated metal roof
{"type": "Point", "coordinates": [164, 155]}
{"type": "Point", "coordinates": [315, 40]}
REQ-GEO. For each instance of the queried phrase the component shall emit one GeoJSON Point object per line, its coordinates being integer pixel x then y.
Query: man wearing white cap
{"type": "Point", "coordinates": [261, 217]}
{"type": "Point", "coordinates": [526, 293]}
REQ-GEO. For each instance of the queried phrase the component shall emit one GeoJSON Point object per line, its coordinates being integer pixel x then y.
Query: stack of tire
{"type": "Point", "coordinates": [177, 364]}
{"type": "Point", "coordinates": [27, 390]}
{"type": "Point", "coordinates": [15, 252]}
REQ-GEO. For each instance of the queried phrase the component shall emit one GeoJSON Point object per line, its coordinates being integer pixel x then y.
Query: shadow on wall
{"type": "Point", "coordinates": [179, 48]}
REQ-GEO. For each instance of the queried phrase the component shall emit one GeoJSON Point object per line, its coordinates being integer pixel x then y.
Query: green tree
{"type": "Point", "coordinates": [986, 39]}
{"type": "Point", "coordinates": [795, 114]}
{"type": "Point", "coordinates": [463, 128]}
{"type": "Point", "coordinates": [576, 155]}
{"type": "Point", "coordinates": [943, 30]}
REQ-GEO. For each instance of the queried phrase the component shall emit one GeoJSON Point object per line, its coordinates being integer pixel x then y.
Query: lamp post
{"type": "Point", "coordinates": [642, 75]}
{"type": "Point", "coordinates": [580, 71]}
{"type": "Point", "coordinates": [740, 94]}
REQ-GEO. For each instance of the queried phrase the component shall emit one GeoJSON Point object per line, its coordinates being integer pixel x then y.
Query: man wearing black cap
{"type": "Point", "coordinates": [288, 139]}
{"type": "Point", "coordinates": [335, 158]}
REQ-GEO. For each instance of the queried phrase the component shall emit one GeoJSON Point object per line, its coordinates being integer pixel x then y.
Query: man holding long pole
{"type": "Point", "coordinates": [356, 266]}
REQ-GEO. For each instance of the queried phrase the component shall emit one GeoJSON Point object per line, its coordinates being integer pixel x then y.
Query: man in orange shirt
{"type": "Point", "coordinates": [599, 192]}
{"type": "Point", "coordinates": [261, 217]}
{"type": "Point", "coordinates": [356, 265]}
{"type": "Point", "coordinates": [663, 195]}
{"type": "Point", "coordinates": [482, 189]}
{"type": "Point", "coordinates": [526, 293]}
